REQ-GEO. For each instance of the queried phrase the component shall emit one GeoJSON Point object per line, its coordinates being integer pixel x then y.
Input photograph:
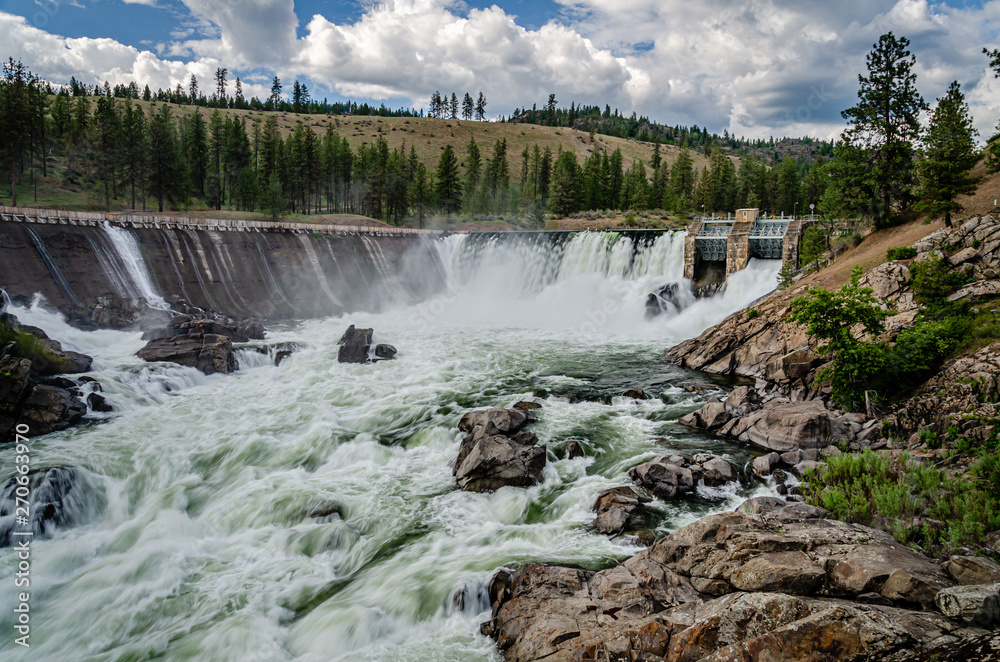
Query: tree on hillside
{"type": "Point", "coordinates": [238, 99]}
{"type": "Point", "coordinates": [949, 155]}
{"type": "Point", "coordinates": [448, 186]}
{"type": "Point", "coordinates": [165, 171]}
{"type": "Point", "coordinates": [133, 150]}
{"type": "Point", "coordinates": [193, 89]}
{"type": "Point", "coordinates": [467, 107]}
{"type": "Point", "coordinates": [481, 107]}
{"type": "Point", "coordinates": [550, 110]}
{"type": "Point", "coordinates": [18, 110]}
{"type": "Point", "coordinates": [220, 85]}
{"type": "Point", "coordinates": [885, 123]}
{"type": "Point", "coordinates": [564, 199]}
{"type": "Point", "coordinates": [682, 182]}
{"type": "Point", "coordinates": [453, 107]}
{"type": "Point", "coordinates": [789, 187]}
{"type": "Point", "coordinates": [104, 152]}
{"type": "Point", "coordinates": [275, 98]}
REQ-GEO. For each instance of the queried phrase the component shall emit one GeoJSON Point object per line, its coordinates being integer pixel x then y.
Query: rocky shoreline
{"type": "Point", "coordinates": [780, 579]}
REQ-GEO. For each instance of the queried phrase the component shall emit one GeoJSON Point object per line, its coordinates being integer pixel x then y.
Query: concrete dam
{"type": "Point", "coordinates": [238, 268]}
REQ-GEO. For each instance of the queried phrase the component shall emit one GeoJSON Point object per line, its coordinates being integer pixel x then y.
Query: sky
{"type": "Point", "coordinates": [757, 68]}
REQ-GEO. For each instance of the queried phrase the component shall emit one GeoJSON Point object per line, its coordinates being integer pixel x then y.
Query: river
{"type": "Point", "coordinates": [308, 511]}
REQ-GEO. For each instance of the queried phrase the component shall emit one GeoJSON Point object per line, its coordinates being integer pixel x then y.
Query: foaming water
{"type": "Point", "coordinates": [130, 254]}
{"type": "Point", "coordinates": [308, 512]}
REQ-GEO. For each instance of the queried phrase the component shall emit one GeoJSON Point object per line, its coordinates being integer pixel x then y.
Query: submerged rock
{"type": "Point", "coordinates": [190, 325]}
{"type": "Point", "coordinates": [57, 497]}
{"type": "Point", "coordinates": [495, 454]}
{"type": "Point", "coordinates": [209, 353]}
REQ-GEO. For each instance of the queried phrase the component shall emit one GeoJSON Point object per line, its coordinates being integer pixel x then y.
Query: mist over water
{"type": "Point", "coordinates": [308, 511]}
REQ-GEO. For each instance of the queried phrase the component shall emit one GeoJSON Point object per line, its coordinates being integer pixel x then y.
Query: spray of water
{"type": "Point", "coordinates": [130, 254]}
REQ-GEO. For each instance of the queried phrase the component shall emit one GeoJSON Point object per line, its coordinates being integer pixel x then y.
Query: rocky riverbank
{"type": "Point", "coordinates": [784, 580]}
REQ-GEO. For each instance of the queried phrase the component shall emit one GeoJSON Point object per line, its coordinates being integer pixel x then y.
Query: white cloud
{"type": "Point", "coordinates": [757, 67]}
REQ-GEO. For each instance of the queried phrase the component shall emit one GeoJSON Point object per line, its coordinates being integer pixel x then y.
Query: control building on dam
{"type": "Point", "coordinates": [715, 247]}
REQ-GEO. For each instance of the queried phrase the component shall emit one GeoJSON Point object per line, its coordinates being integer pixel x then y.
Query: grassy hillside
{"type": "Point", "coordinates": [62, 190]}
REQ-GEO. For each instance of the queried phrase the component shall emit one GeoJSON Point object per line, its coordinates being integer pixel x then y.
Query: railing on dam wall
{"type": "Point", "coordinates": [83, 218]}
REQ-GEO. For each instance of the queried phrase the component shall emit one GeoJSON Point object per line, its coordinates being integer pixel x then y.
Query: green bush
{"type": "Point", "coordinates": [859, 488]}
{"type": "Point", "coordinates": [901, 253]}
{"type": "Point", "coordinates": [813, 247]}
{"type": "Point", "coordinates": [752, 313]}
{"type": "Point", "coordinates": [933, 281]}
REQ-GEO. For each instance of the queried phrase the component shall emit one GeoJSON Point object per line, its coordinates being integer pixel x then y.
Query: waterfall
{"type": "Point", "coordinates": [130, 254]}
{"type": "Point", "coordinates": [54, 270]}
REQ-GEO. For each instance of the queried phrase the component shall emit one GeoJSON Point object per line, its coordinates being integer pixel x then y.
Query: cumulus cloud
{"type": "Point", "coordinates": [756, 67]}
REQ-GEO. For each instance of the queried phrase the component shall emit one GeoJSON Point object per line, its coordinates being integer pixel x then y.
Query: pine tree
{"type": "Point", "coordinates": [448, 187]}
{"type": "Point", "coordinates": [165, 171]}
{"type": "Point", "coordinates": [17, 118]}
{"type": "Point", "coordinates": [194, 139]}
{"type": "Point", "coordinates": [789, 187]}
{"type": "Point", "coordinates": [104, 151]}
{"type": "Point", "coordinates": [949, 155]}
{"type": "Point", "coordinates": [481, 107]}
{"type": "Point", "coordinates": [275, 98]}
{"type": "Point", "coordinates": [682, 182]}
{"type": "Point", "coordinates": [193, 89]}
{"type": "Point", "coordinates": [240, 102]}
{"type": "Point", "coordinates": [220, 86]}
{"type": "Point", "coordinates": [564, 199]}
{"type": "Point", "coordinates": [467, 107]}
{"type": "Point", "coordinates": [473, 170]}
{"type": "Point", "coordinates": [885, 123]}
{"type": "Point", "coordinates": [453, 106]}
{"type": "Point", "coordinates": [133, 147]}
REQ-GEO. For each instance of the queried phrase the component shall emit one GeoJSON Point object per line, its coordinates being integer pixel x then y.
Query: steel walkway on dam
{"type": "Point", "coordinates": [59, 217]}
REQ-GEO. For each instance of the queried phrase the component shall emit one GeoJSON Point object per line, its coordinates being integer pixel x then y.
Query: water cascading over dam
{"type": "Point", "coordinates": [307, 510]}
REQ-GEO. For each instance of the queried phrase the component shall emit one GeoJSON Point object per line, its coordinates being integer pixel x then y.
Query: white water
{"type": "Point", "coordinates": [135, 266]}
{"type": "Point", "coordinates": [206, 549]}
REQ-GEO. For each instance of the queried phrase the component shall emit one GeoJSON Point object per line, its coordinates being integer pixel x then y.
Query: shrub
{"type": "Point", "coordinates": [752, 313]}
{"type": "Point", "coordinates": [933, 281]}
{"type": "Point", "coordinates": [901, 253]}
{"type": "Point", "coordinates": [859, 488]}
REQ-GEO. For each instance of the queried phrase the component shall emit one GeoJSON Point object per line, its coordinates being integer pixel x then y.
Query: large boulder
{"type": "Point", "coordinates": [356, 347]}
{"type": "Point", "coordinates": [761, 584]}
{"type": "Point", "coordinates": [617, 509]}
{"type": "Point", "coordinates": [495, 461]}
{"type": "Point", "coordinates": [496, 453]}
{"type": "Point", "coordinates": [210, 353]}
{"type": "Point", "coordinates": [50, 409]}
{"type": "Point", "coordinates": [15, 382]}
{"type": "Point", "coordinates": [979, 605]}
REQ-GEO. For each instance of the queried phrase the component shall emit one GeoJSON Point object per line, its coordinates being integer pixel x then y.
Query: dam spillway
{"type": "Point", "coordinates": [235, 267]}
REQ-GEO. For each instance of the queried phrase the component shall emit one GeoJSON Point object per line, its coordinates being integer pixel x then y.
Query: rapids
{"type": "Point", "coordinates": [308, 512]}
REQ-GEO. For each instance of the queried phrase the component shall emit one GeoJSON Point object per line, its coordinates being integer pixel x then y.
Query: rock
{"type": "Point", "coordinates": [385, 352]}
{"type": "Point", "coordinates": [963, 256]}
{"type": "Point", "coordinates": [97, 402]}
{"type": "Point", "coordinates": [58, 497]}
{"type": "Point", "coordinates": [50, 409]}
{"type": "Point", "coordinates": [494, 421]}
{"type": "Point", "coordinates": [617, 509]}
{"type": "Point", "coordinates": [784, 572]}
{"type": "Point", "coordinates": [979, 605]}
{"type": "Point", "coordinates": [354, 345]}
{"type": "Point", "coordinates": [713, 415]}
{"type": "Point", "coordinates": [971, 570]}
{"type": "Point", "coordinates": [635, 394]}
{"type": "Point", "coordinates": [765, 464]}
{"type": "Point", "coordinates": [209, 353]}
{"type": "Point", "coordinates": [493, 454]}
{"type": "Point", "coordinates": [495, 461]}
{"type": "Point", "coordinates": [993, 541]}
{"type": "Point", "coordinates": [801, 468]}
{"type": "Point", "coordinates": [663, 478]}
{"type": "Point", "coordinates": [717, 471]}
{"type": "Point", "coordinates": [15, 381]}
{"type": "Point", "coordinates": [792, 425]}
{"type": "Point", "coordinates": [670, 298]}
{"type": "Point", "coordinates": [183, 325]}
{"type": "Point", "coordinates": [981, 647]}
{"type": "Point", "coordinates": [572, 449]}
{"type": "Point", "coordinates": [527, 406]}
{"type": "Point", "coordinates": [898, 573]}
